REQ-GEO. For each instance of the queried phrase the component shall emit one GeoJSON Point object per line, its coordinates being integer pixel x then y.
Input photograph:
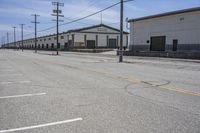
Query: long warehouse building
{"type": "Point", "coordinates": [97, 36]}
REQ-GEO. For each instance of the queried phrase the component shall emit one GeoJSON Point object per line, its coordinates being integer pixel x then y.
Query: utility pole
{"type": "Point", "coordinates": [121, 32]}
{"type": "Point", "coordinates": [35, 22]}
{"type": "Point", "coordinates": [2, 41]}
{"type": "Point", "coordinates": [22, 26]}
{"type": "Point", "coordinates": [57, 13]}
{"type": "Point", "coordinates": [7, 38]}
{"type": "Point", "coordinates": [14, 38]}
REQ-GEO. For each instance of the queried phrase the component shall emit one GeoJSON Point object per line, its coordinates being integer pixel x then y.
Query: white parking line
{"type": "Point", "coordinates": [8, 74]}
{"type": "Point", "coordinates": [5, 83]}
{"type": "Point", "coordinates": [17, 82]}
{"type": "Point", "coordinates": [7, 70]}
{"type": "Point", "coordinates": [22, 82]}
{"type": "Point", "coordinates": [39, 126]}
{"type": "Point", "coordinates": [24, 95]}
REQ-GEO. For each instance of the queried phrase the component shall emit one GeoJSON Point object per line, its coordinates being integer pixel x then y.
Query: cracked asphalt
{"type": "Point", "coordinates": [42, 93]}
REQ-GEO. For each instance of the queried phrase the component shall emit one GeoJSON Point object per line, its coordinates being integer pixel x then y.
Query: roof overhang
{"type": "Point", "coordinates": [166, 14]}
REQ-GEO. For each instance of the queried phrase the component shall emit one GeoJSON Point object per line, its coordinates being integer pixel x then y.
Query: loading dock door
{"type": "Point", "coordinates": [157, 43]}
{"type": "Point", "coordinates": [90, 44]}
{"type": "Point", "coordinates": [58, 46]}
{"type": "Point", "coordinates": [175, 45]}
{"type": "Point", "coordinates": [66, 46]}
{"type": "Point", "coordinates": [52, 46]}
{"type": "Point", "coordinates": [112, 43]}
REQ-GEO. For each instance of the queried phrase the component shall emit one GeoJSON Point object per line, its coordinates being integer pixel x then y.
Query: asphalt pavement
{"type": "Point", "coordinates": [94, 93]}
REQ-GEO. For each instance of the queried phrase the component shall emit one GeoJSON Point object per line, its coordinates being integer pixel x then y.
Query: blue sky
{"type": "Point", "coordinates": [15, 12]}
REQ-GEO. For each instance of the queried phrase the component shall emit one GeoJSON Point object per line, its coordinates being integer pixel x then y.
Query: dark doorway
{"type": "Point", "coordinates": [47, 46]}
{"type": "Point", "coordinates": [175, 44]}
{"type": "Point", "coordinates": [52, 46]}
{"type": "Point", "coordinates": [157, 43]}
{"type": "Point", "coordinates": [70, 42]}
{"type": "Point", "coordinates": [58, 46]}
{"type": "Point", "coordinates": [42, 46]}
{"type": "Point", "coordinates": [66, 46]}
{"type": "Point", "coordinates": [112, 43]}
{"type": "Point", "coordinates": [90, 44]}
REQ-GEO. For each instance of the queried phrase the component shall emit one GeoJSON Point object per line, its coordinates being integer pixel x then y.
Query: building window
{"type": "Point", "coordinates": [62, 37]}
{"type": "Point", "coordinates": [49, 38]}
{"type": "Point", "coordinates": [55, 38]}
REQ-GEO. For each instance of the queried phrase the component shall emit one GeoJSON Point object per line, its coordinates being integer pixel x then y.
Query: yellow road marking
{"type": "Point", "coordinates": [173, 88]}
{"type": "Point", "coordinates": [132, 80]}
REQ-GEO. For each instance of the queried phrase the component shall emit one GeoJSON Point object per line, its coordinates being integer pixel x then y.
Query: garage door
{"type": "Point", "coordinates": [90, 44]}
{"type": "Point", "coordinates": [157, 43]}
{"type": "Point", "coordinates": [112, 43]}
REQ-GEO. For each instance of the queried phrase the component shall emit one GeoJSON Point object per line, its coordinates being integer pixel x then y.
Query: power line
{"type": "Point", "coordinates": [91, 14]}
{"type": "Point", "coordinates": [77, 22]}
{"type": "Point", "coordinates": [95, 13]}
{"type": "Point", "coordinates": [79, 19]}
{"type": "Point", "coordinates": [91, 3]}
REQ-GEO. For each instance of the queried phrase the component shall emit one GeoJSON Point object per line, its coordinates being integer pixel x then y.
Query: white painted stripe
{"type": "Point", "coordinates": [24, 95]}
{"type": "Point", "coordinates": [5, 83]}
{"type": "Point", "coordinates": [17, 82]}
{"type": "Point", "coordinates": [7, 70]}
{"type": "Point", "coordinates": [39, 126]}
{"type": "Point", "coordinates": [21, 82]}
{"type": "Point", "coordinates": [9, 74]}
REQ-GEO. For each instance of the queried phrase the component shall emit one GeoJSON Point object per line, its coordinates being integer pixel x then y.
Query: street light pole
{"type": "Point", "coordinates": [121, 32]}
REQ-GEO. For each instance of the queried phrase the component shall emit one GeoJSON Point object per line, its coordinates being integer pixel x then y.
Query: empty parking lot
{"type": "Point", "coordinates": [93, 93]}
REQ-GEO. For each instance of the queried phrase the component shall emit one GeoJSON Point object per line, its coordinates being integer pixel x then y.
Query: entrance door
{"type": "Point", "coordinates": [90, 44]}
{"type": "Point", "coordinates": [66, 46]}
{"type": "Point", "coordinates": [112, 43]}
{"type": "Point", "coordinates": [157, 43]}
{"type": "Point", "coordinates": [58, 46]}
{"type": "Point", "coordinates": [52, 46]}
{"type": "Point", "coordinates": [175, 45]}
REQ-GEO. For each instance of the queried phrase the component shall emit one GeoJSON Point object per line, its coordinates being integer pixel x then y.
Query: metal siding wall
{"type": "Point", "coordinates": [185, 30]}
{"type": "Point", "coordinates": [102, 42]}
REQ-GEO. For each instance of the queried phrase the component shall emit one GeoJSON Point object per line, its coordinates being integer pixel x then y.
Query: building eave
{"type": "Point", "coordinates": [166, 14]}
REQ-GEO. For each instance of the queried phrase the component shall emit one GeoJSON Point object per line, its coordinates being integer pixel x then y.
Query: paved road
{"type": "Point", "coordinates": [93, 93]}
